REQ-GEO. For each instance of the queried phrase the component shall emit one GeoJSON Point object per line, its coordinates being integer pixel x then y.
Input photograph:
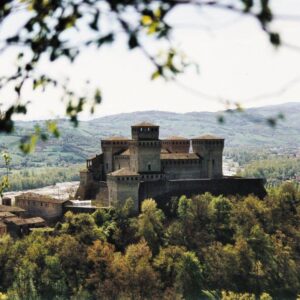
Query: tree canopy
{"type": "Point", "coordinates": [211, 248]}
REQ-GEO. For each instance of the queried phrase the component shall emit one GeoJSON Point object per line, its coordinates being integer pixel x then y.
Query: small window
{"type": "Point", "coordinates": [149, 167]}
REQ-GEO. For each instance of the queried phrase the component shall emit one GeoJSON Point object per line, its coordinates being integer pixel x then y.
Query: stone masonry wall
{"type": "Point", "coordinates": [163, 190]}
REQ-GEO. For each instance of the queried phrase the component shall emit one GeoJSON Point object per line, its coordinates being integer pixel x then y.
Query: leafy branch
{"type": "Point", "coordinates": [45, 35]}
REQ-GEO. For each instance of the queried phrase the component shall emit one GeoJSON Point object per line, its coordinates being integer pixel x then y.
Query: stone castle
{"type": "Point", "coordinates": [145, 166]}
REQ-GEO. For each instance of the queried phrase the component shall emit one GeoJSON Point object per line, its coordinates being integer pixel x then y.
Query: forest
{"type": "Point", "coordinates": [274, 170]}
{"type": "Point", "coordinates": [30, 178]}
{"type": "Point", "coordinates": [205, 247]}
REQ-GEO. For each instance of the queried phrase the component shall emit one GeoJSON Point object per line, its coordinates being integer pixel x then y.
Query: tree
{"type": "Point", "coordinates": [195, 217]}
{"type": "Point", "coordinates": [44, 35]}
{"type": "Point", "coordinates": [150, 224]}
{"type": "Point", "coordinates": [222, 208]}
{"type": "Point", "coordinates": [83, 227]}
{"type": "Point", "coordinates": [143, 281]}
{"type": "Point", "coordinates": [4, 183]}
{"type": "Point", "coordinates": [180, 271]}
{"type": "Point", "coordinates": [189, 277]}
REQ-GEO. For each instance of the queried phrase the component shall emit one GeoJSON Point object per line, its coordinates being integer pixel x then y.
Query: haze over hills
{"type": "Point", "coordinates": [246, 129]}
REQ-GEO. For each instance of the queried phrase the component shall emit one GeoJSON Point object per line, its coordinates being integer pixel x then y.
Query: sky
{"type": "Point", "coordinates": [236, 63]}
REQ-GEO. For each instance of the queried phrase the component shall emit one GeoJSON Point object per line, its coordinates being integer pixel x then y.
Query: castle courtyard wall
{"type": "Point", "coordinates": [164, 190]}
{"type": "Point", "coordinates": [182, 169]}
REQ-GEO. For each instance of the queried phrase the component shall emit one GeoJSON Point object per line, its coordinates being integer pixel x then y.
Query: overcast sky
{"type": "Point", "coordinates": [235, 59]}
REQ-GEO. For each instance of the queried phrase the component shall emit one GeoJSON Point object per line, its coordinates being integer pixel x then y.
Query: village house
{"type": "Point", "coordinates": [37, 205]}
{"type": "Point", "coordinates": [18, 227]}
{"type": "Point", "coordinates": [18, 211]}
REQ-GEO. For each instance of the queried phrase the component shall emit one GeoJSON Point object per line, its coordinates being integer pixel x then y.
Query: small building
{"type": "Point", "coordinates": [6, 214]}
{"type": "Point", "coordinates": [17, 227]}
{"type": "Point", "coordinates": [12, 209]}
{"type": "Point", "coordinates": [6, 201]}
{"type": "Point", "coordinates": [3, 228]}
{"type": "Point", "coordinates": [37, 205]}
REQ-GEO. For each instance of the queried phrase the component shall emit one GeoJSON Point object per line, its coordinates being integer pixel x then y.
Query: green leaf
{"type": "Point", "coordinates": [275, 38]}
{"type": "Point", "coordinates": [155, 75]}
{"type": "Point", "coordinates": [133, 42]}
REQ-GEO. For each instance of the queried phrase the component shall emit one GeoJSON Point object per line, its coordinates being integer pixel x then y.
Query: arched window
{"type": "Point", "coordinates": [149, 167]}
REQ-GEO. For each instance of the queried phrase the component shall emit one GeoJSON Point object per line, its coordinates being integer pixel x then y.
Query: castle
{"type": "Point", "coordinates": [145, 166]}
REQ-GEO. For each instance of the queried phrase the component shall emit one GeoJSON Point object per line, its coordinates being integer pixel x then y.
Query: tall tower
{"type": "Point", "coordinates": [145, 148]}
{"type": "Point", "coordinates": [211, 149]}
{"type": "Point", "coordinates": [110, 146]}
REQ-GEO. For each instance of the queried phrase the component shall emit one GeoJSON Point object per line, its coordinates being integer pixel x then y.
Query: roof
{"type": "Point", "coordinates": [38, 197]}
{"type": "Point", "coordinates": [207, 137]}
{"type": "Point", "coordinates": [12, 209]}
{"type": "Point", "coordinates": [6, 214]}
{"type": "Point", "coordinates": [178, 156]}
{"type": "Point", "coordinates": [164, 150]}
{"type": "Point", "coordinates": [115, 138]}
{"type": "Point", "coordinates": [145, 124]}
{"type": "Point", "coordinates": [123, 172]}
{"type": "Point", "coordinates": [29, 221]}
{"type": "Point", "coordinates": [174, 137]}
{"type": "Point", "coordinates": [126, 152]}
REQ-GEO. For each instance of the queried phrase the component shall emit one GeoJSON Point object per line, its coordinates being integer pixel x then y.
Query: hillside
{"type": "Point", "coordinates": [241, 130]}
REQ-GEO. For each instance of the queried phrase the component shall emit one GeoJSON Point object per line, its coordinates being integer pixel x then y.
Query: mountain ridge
{"type": "Point", "coordinates": [240, 130]}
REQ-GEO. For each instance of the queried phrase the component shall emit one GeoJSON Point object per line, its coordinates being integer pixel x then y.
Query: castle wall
{"type": "Point", "coordinates": [176, 146]}
{"type": "Point", "coordinates": [180, 169]}
{"type": "Point", "coordinates": [96, 166]}
{"type": "Point", "coordinates": [162, 190]}
{"type": "Point", "coordinates": [121, 161]}
{"type": "Point", "coordinates": [103, 193]}
{"type": "Point", "coordinates": [109, 149]}
{"type": "Point", "coordinates": [88, 187]}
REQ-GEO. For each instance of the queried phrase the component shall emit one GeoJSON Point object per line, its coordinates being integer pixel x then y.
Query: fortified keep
{"type": "Point", "coordinates": [145, 166]}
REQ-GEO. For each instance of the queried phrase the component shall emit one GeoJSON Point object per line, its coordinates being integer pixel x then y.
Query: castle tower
{"type": "Point", "coordinates": [210, 148]}
{"type": "Point", "coordinates": [145, 148]}
{"type": "Point", "coordinates": [122, 185]}
{"type": "Point", "coordinates": [110, 146]}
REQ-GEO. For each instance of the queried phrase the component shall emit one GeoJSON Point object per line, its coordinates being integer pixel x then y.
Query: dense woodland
{"type": "Point", "coordinates": [203, 248]}
{"type": "Point", "coordinates": [39, 177]}
{"type": "Point", "coordinates": [274, 170]}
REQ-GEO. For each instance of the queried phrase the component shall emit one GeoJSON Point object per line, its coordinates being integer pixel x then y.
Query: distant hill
{"type": "Point", "coordinates": [247, 129]}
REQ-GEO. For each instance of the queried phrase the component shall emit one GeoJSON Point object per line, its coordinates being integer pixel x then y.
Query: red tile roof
{"type": "Point", "coordinates": [38, 197]}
